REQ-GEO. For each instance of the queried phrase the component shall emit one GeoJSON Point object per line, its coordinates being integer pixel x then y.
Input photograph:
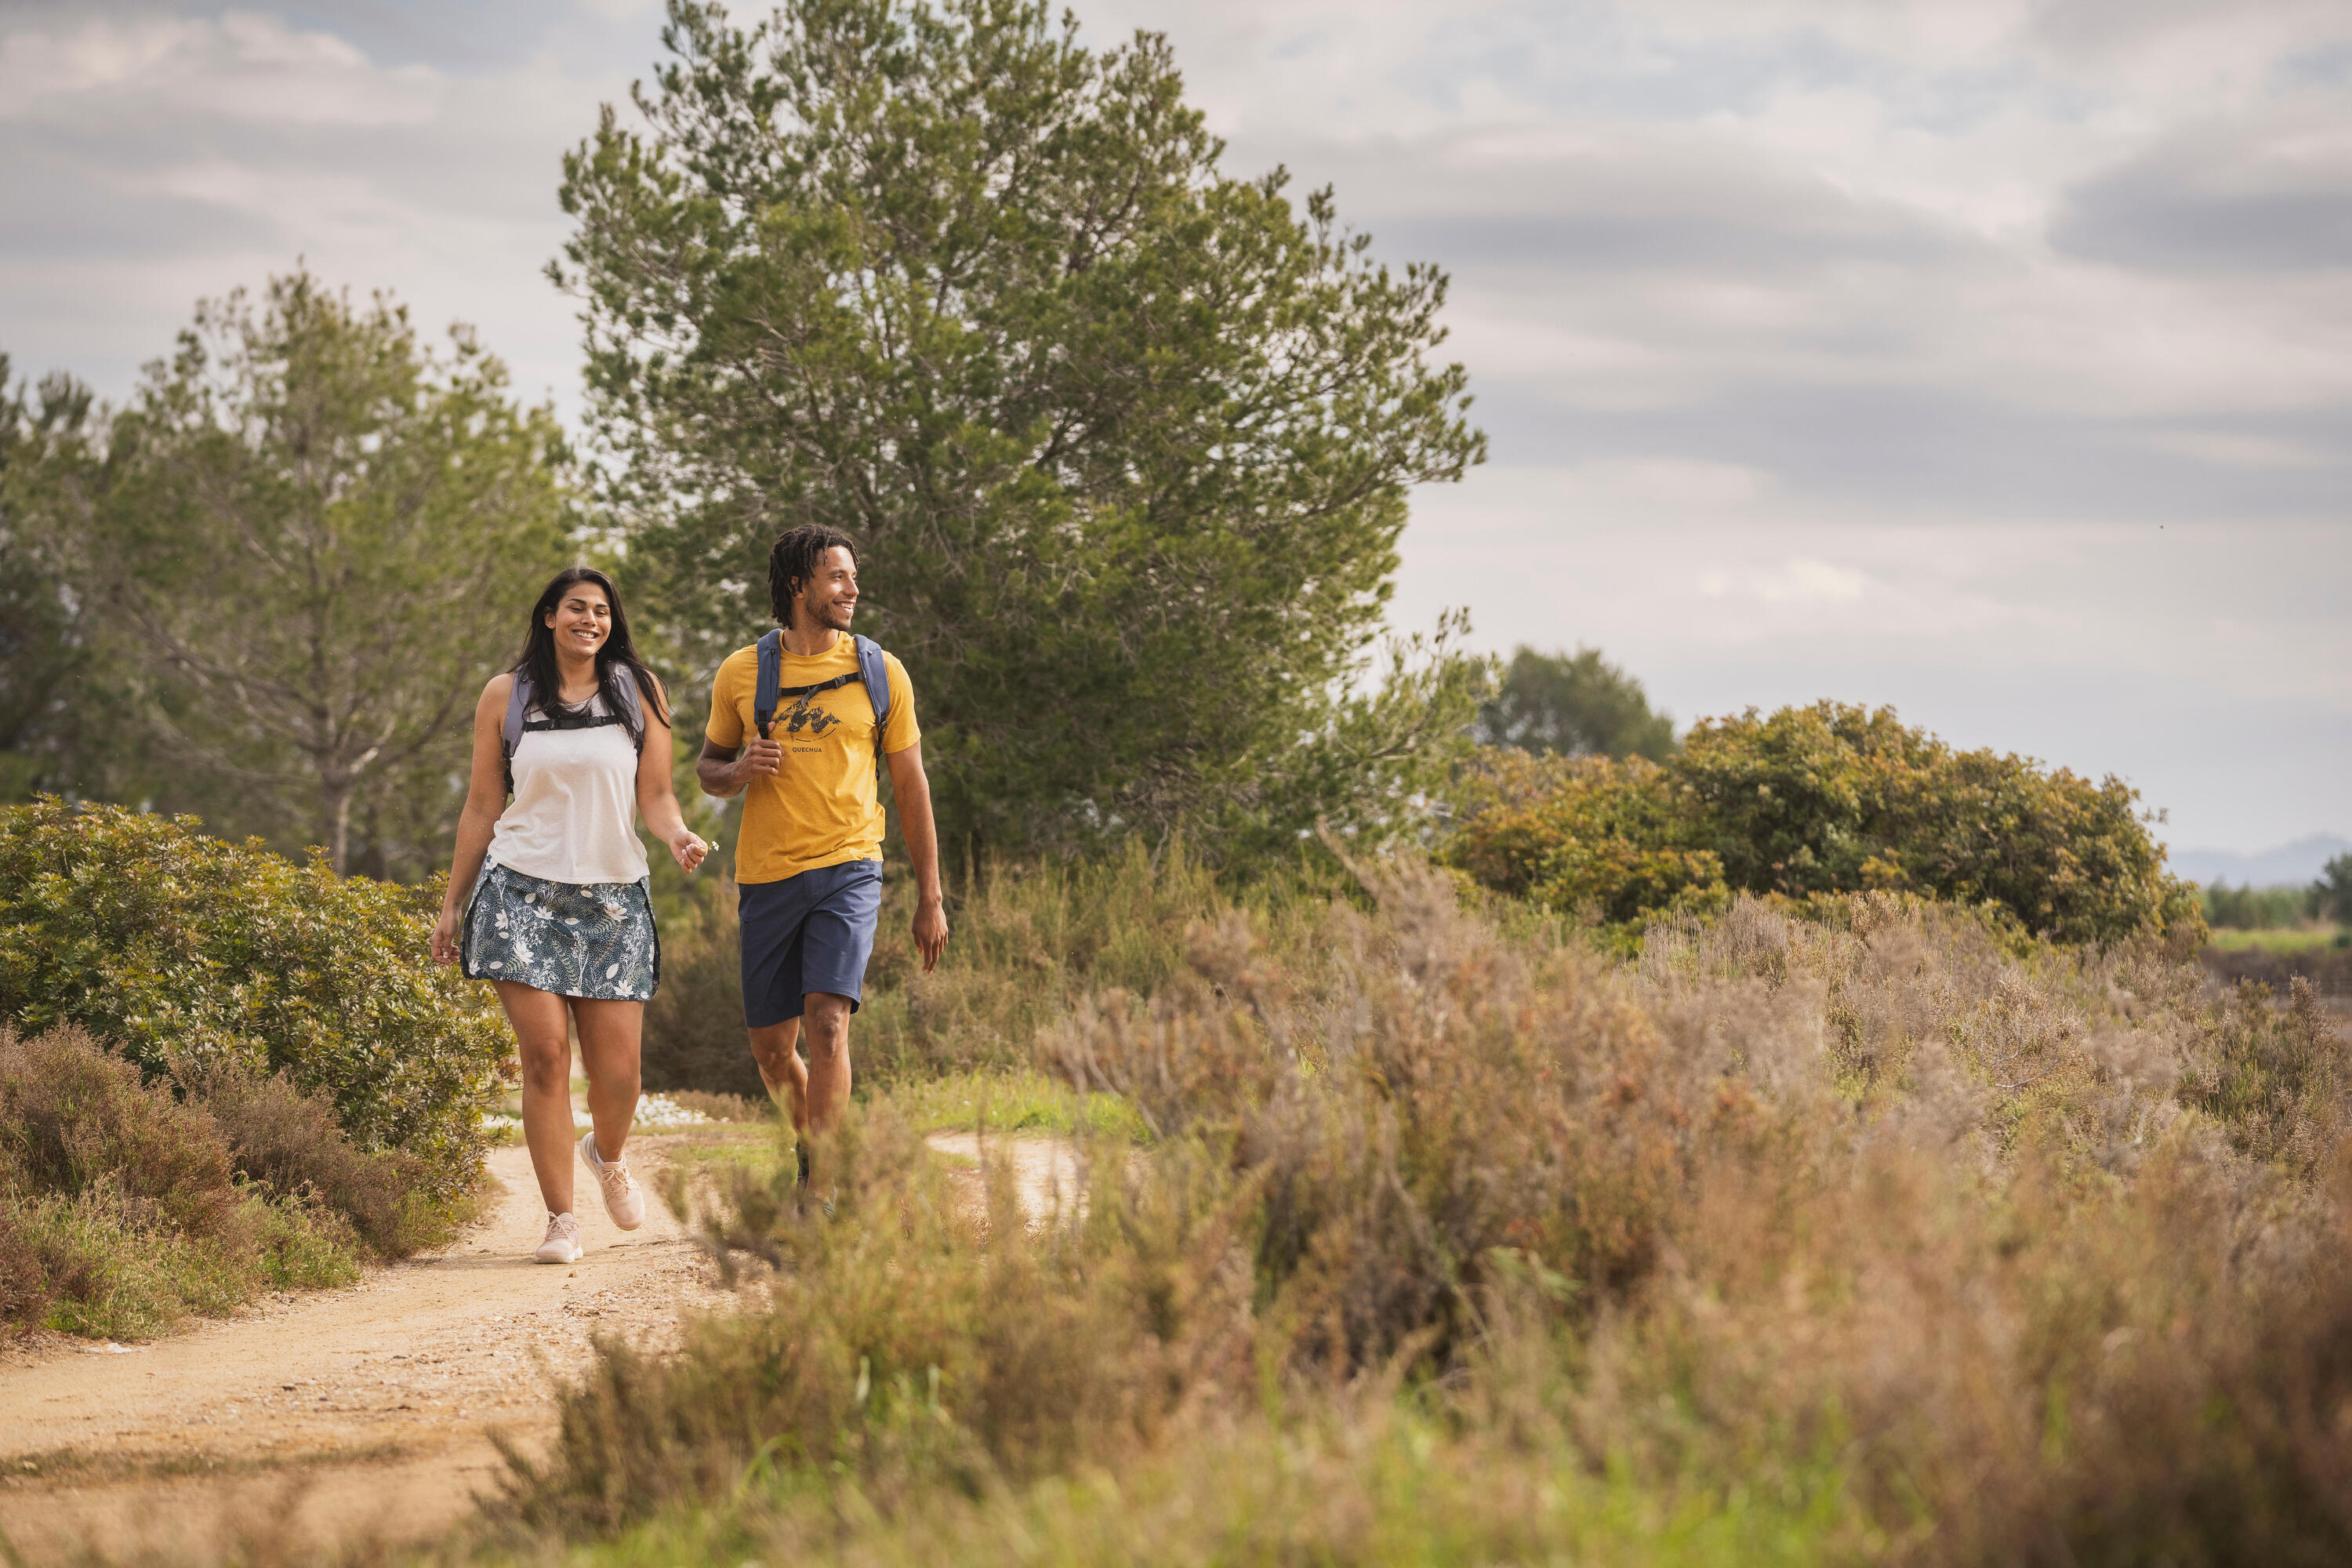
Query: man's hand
{"type": "Point", "coordinates": [723, 775]}
{"type": "Point", "coordinates": [763, 756]}
{"type": "Point", "coordinates": [931, 930]}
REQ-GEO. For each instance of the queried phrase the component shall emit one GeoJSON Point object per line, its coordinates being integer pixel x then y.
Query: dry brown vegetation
{"type": "Point", "coordinates": [1875, 1236]}
{"type": "Point", "coordinates": [126, 1204]}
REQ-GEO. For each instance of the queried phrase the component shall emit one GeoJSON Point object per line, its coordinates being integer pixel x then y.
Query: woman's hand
{"type": "Point", "coordinates": [687, 848]}
{"type": "Point", "coordinates": [445, 937]}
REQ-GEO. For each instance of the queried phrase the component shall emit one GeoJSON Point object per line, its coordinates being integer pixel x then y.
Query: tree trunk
{"type": "Point", "coordinates": [335, 819]}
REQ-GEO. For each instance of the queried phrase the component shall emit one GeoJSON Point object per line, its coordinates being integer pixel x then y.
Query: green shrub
{"type": "Point", "coordinates": [175, 948]}
{"type": "Point", "coordinates": [1813, 802]}
{"type": "Point", "coordinates": [1586, 836]}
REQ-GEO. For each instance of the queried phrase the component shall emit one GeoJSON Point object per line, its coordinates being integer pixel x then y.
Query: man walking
{"type": "Point", "coordinates": [797, 720]}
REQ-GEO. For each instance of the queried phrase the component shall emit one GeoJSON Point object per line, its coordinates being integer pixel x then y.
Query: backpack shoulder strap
{"type": "Point", "coordinates": [764, 695]}
{"type": "Point", "coordinates": [518, 704]}
{"type": "Point", "coordinates": [633, 703]}
{"type": "Point", "coordinates": [876, 676]}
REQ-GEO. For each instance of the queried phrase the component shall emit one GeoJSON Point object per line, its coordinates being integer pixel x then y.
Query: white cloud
{"type": "Point", "coordinates": [240, 67]}
{"type": "Point", "coordinates": [1796, 581]}
{"type": "Point", "coordinates": [2241, 450]}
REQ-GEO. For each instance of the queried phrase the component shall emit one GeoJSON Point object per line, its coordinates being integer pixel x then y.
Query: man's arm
{"type": "Point", "coordinates": [724, 774]}
{"type": "Point", "coordinates": [912, 787]}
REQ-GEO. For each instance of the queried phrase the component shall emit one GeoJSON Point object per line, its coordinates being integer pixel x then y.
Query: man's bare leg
{"type": "Point", "coordinates": [776, 1048]}
{"type": "Point", "coordinates": [813, 1091]}
{"type": "Point", "coordinates": [826, 1033]}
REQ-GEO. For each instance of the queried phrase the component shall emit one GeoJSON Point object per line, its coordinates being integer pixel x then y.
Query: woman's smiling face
{"type": "Point", "coordinates": [582, 621]}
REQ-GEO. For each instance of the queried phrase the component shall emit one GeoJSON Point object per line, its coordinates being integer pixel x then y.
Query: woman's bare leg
{"type": "Point", "coordinates": [543, 1042]}
{"type": "Point", "coordinates": [610, 1037]}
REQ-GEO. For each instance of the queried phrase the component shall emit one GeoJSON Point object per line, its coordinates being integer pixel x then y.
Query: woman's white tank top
{"type": "Point", "coordinates": [574, 812]}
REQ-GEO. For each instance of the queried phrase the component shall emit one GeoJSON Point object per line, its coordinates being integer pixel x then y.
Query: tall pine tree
{"type": "Point", "coordinates": [1125, 440]}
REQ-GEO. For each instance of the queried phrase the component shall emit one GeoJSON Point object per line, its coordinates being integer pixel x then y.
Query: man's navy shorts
{"type": "Point", "coordinates": [810, 932]}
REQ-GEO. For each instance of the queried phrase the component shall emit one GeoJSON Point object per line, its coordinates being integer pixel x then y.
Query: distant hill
{"type": "Point", "coordinates": [2289, 864]}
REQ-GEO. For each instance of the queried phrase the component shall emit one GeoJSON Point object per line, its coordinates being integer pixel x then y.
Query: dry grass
{"type": "Point", "coordinates": [1873, 1236]}
{"type": "Point", "coordinates": [124, 1206]}
{"type": "Point", "coordinates": [1028, 946]}
{"type": "Point", "coordinates": [289, 1142]}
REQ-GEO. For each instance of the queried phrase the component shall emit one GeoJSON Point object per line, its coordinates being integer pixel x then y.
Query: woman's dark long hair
{"type": "Point", "coordinates": [615, 655]}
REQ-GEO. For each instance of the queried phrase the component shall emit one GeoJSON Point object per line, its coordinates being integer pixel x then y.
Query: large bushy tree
{"type": "Point", "coordinates": [305, 543]}
{"type": "Point", "coordinates": [1125, 440]}
{"type": "Point", "coordinates": [2331, 894]}
{"type": "Point", "coordinates": [44, 648]}
{"type": "Point", "coordinates": [1574, 705]}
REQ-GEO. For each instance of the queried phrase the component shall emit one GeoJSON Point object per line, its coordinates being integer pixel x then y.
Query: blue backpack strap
{"type": "Point", "coordinates": [876, 676]}
{"type": "Point", "coordinates": [764, 695]}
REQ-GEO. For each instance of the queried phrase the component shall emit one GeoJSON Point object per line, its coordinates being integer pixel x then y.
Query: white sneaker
{"type": "Point", "coordinates": [562, 1243]}
{"type": "Point", "coordinates": [621, 1199]}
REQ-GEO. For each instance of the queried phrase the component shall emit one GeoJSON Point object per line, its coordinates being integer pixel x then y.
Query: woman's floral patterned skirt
{"type": "Point", "coordinates": [594, 940]}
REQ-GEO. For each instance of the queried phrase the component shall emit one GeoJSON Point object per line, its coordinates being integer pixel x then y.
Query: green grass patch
{"type": "Point", "coordinates": [724, 1149]}
{"type": "Point", "coordinates": [2308, 939]}
{"type": "Point", "coordinates": [1011, 1099]}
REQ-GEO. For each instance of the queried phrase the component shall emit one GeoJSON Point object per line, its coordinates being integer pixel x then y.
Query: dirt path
{"type": "Point", "coordinates": [1046, 1174]}
{"type": "Point", "coordinates": [339, 1413]}
{"type": "Point", "coordinates": [364, 1412]}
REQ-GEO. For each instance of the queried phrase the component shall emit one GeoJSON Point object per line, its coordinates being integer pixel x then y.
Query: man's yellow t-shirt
{"type": "Point", "coordinates": [824, 808]}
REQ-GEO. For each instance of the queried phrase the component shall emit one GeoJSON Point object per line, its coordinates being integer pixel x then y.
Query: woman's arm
{"type": "Point", "coordinates": [658, 795]}
{"type": "Point", "coordinates": [485, 797]}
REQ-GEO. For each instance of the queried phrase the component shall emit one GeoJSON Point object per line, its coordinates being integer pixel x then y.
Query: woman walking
{"type": "Point", "coordinates": [558, 916]}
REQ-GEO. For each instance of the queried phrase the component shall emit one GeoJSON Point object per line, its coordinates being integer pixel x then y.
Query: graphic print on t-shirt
{"type": "Point", "coordinates": [816, 721]}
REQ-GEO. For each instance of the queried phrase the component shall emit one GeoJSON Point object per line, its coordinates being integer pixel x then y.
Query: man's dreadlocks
{"type": "Point", "coordinates": [793, 562]}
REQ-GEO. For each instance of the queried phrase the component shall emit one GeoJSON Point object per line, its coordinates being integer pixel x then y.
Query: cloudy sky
{"type": "Point", "coordinates": [1989, 358]}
